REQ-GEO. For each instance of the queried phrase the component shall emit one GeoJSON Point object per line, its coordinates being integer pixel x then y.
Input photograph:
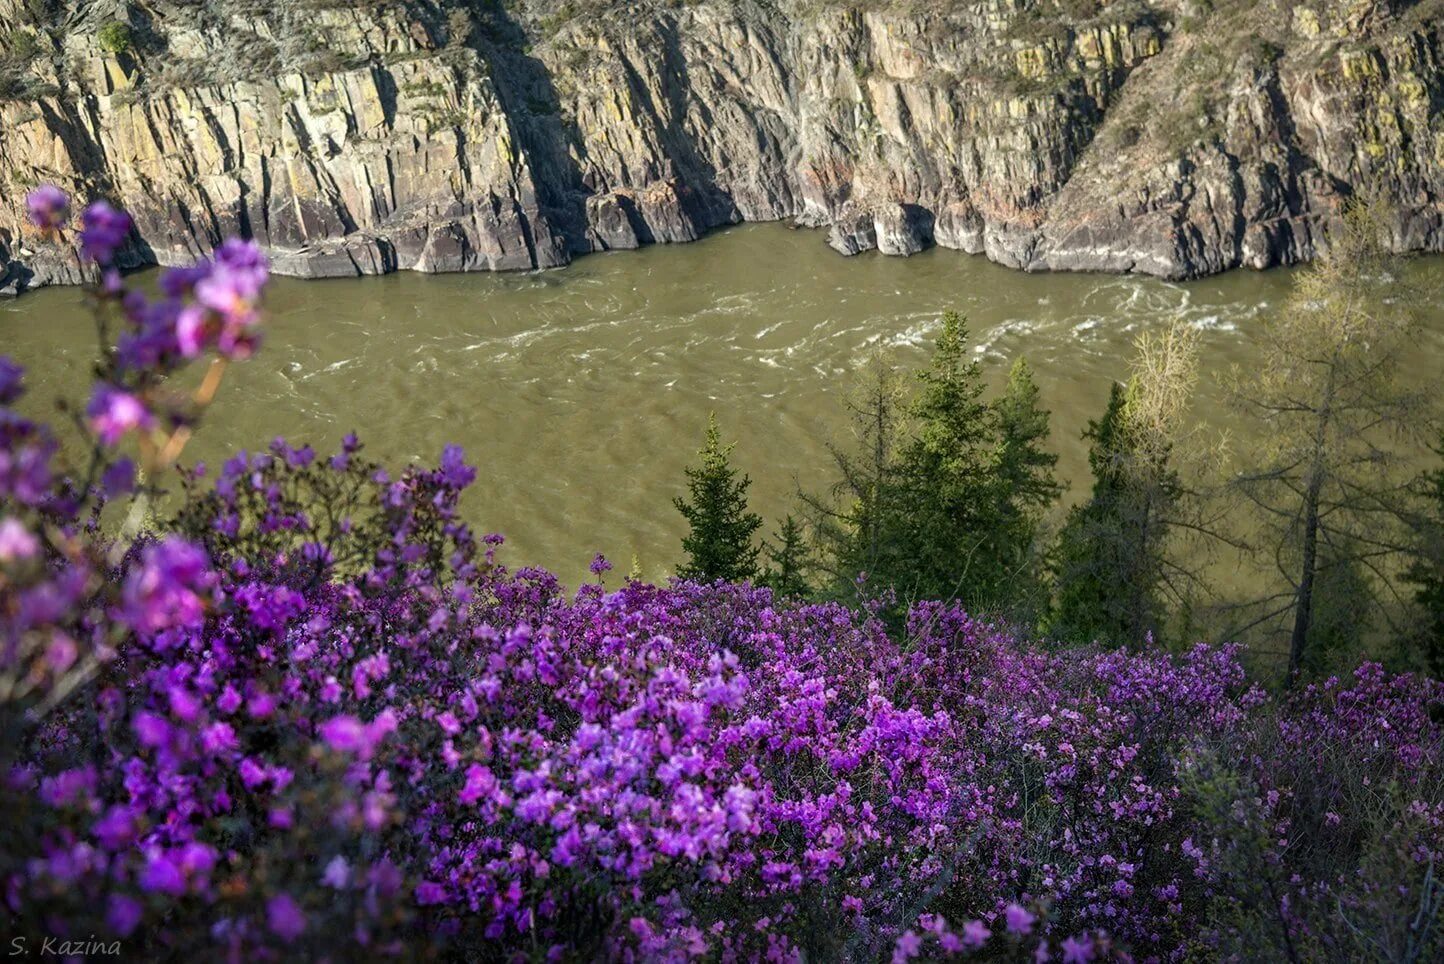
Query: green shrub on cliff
{"type": "Point", "coordinates": [18, 48]}
{"type": "Point", "coordinates": [114, 38]}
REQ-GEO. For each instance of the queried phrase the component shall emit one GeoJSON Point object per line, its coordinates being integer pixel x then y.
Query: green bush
{"type": "Point", "coordinates": [19, 47]}
{"type": "Point", "coordinates": [114, 37]}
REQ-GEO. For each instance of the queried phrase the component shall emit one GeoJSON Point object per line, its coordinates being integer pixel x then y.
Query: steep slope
{"type": "Point", "coordinates": [1174, 137]}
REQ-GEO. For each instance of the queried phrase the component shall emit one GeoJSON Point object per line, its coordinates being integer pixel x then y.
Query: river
{"type": "Point", "coordinates": [581, 393]}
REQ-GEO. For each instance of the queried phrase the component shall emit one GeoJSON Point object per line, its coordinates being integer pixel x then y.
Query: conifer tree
{"type": "Point", "coordinates": [1025, 475]}
{"type": "Point", "coordinates": [947, 512]}
{"type": "Point", "coordinates": [718, 543]}
{"type": "Point", "coordinates": [1326, 481]}
{"type": "Point", "coordinates": [849, 525]}
{"type": "Point", "coordinates": [1111, 563]}
{"type": "Point", "coordinates": [787, 561]}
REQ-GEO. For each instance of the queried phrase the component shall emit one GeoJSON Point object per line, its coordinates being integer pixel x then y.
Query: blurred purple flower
{"type": "Point", "coordinates": [285, 918]}
{"type": "Point", "coordinates": [454, 470]}
{"type": "Point", "coordinates": [123, 914]}
{"type": "Point", "coordinates": [16, 541]}
{"type": "Point", "coordinates": [118, 478]}
{"type": "Point", "coordinates": [48, 207]}
{"type": "Point", "coordinates": [12, 377]}
{"type": "Point", "coordinates": [1020, 921]}
{"type": "Point", "coordinates": [113, 412]}
{"type": "Point", "coordinates": [169, 587]}
{"type": "Point", "coordinates": [975, 934]}
{"type": "Point", "coordinates": [103, 230]}
{"type": "Point", "coordinates": [1077, 950]}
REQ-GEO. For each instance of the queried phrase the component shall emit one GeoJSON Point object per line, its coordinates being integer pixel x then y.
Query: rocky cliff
{"type": "Point", "coordinates": [1173, 137]}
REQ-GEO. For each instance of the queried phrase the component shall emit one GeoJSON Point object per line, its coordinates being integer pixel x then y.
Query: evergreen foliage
{"type": "Point", "coordinates": [849, 527]}
{"type": "Point", "coordinates": [943, 495]}
{"type": "Point", "coordinates": [1110, 560]}
{"type": "Point", "coordinates": [969, 480]}
{"type": "Point", "coordinates": [1025, 476]}
{"type": "Point", "coordinates": [947, 480]}
{"type": "Point", "coordinates": [720, 529]}
{"type": "Point", "coordinates": [114, 38]}
{"type": "Point", "coordinates": [787, 558]}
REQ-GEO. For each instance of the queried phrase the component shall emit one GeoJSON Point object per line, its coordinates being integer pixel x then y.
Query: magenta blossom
{"type": "Point", "coordinates": [169, 588]}
{"type": "Point", "coordinates": [118, 478]}
{"type": "Point", "coordinates": [12, 377]}
{"type": "Point", "coordinates": [347, 734]}
{"type": "Point", "coordinates": [285, 917]}
{"type": "Point", "coordinates": [16, 541]}
{"type": "Point", "coordinates": [975, 934]}
{"type": "Point", "coordinates": [1077, 950]}
{"type": "Point", "coordinates": [48, 207]}
{"type": "Point", "coordinates": [103, 230]}
{"type": "Point", "coordinates": [1019, 920]}
{"type": "Point", "coordinates": [228, 295]}
{"type": "Point", "coordinates": [113, 412]}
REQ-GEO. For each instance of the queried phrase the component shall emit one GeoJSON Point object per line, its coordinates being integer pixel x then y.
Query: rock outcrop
{"type": "Point", "coordinates": [1172, 137]}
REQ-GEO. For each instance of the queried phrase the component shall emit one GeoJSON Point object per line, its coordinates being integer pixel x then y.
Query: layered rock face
{"type": "Point", "coordinates": [1173, 137]}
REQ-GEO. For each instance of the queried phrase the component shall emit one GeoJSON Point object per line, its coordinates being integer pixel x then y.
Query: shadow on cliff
{"type": "Point", "coordinates": [558, 153]}
{"type": "Point", "coordinates": [530, 99]}
{"type": "Point", "coordinates": [710, 205]}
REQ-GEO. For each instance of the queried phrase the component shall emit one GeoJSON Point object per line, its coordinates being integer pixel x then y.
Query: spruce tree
{"type": "Point", "coordinates": [947, 512]}
{"type": "Point", "coordinates": [1110, 561]}
{"type": "Point", "coordinates": [787, 561]}
{"type": "Point", "coordinates": [718, 543]}
{"type": "Point", "coordinates": [851, 524]}
{"type": "Point", "coordinates": [1025, 475]}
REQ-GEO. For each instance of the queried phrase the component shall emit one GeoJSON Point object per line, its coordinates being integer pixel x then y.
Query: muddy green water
{"type": "Point", "coordinates": [581, 393]}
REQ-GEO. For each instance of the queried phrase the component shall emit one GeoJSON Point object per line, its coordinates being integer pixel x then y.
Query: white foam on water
{"type": "Point", "coordinates": [912, 336]}
{"type": "Point", "coordinates": [1013, 326]}
{"type": "Point", "coordinates": [1213, 323]}
{"type": "Point", "coordinates": [335, 366]}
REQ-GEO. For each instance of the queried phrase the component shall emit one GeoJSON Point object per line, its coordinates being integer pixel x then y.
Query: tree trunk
{"type": "Point", "coordinates": [1304, 607]}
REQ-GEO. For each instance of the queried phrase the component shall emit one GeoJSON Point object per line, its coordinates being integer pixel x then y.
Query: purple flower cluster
{"type": "Point", "coordinates": [103, 231]}
{"type": "Point", "coordinates": [210, 307]}
{"type": "Point", "coordinates": [48, 207]}
{"type": "Point", "coordinates": [113, 413]}
{"type": "Point", "coordinates": [313, 716]}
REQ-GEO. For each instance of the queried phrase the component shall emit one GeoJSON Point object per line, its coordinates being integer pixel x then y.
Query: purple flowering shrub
{"type": "Point", "coordinates": [310, 715]}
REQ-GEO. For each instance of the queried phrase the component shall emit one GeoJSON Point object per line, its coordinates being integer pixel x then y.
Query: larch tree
{"type": "Point", "coordinates": [848, 523]}
{"type": "Point", "coordinates": [1027, 484]}
{"type": "Point", "coordinates": [1327, 481]}
{"type": "Point", "coordinates": [1426, 570]}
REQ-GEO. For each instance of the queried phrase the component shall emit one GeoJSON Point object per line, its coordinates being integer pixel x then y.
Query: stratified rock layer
{"type": "Point", "coordinates": [441, 135]}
